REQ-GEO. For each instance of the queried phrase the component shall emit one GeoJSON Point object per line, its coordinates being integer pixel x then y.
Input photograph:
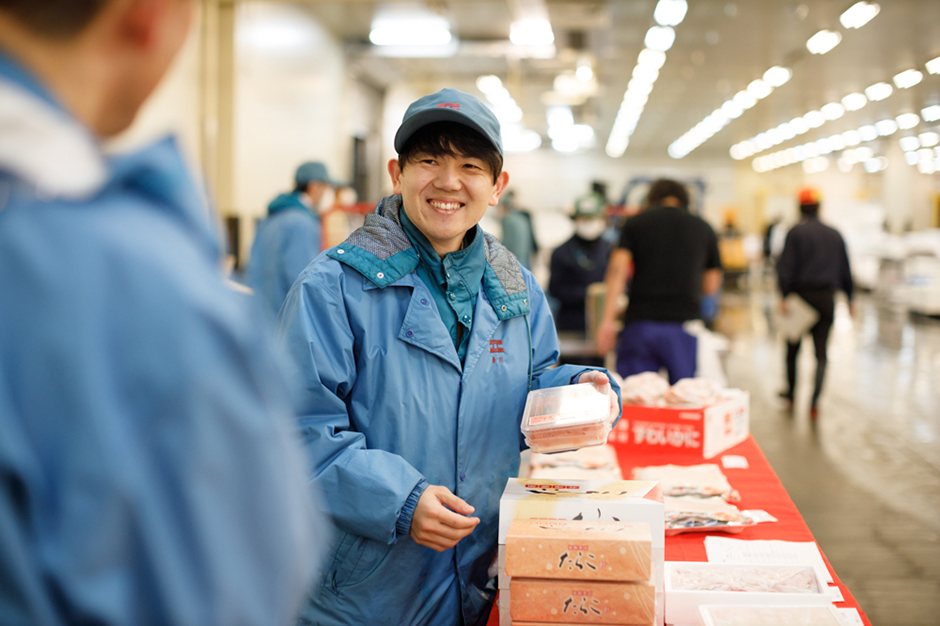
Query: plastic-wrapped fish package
{"type": "Point", "coordinates": [713, 615]}
{"type": "Point", "coordinates": [747, 578]}
{"type": "Point", "coordinates": [690, 514]}
{"type": "Point", "coordinates": [590, 463]}
{"type": "Point", "coordinates": [703, 480]}
{"type": "Point", "coordinates": [566, 418]}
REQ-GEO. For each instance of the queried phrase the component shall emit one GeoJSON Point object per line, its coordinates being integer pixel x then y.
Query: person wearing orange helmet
{"type": "Point", "coordinates": [814, 264]}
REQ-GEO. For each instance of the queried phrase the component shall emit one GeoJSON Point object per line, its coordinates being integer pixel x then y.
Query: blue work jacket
{"type": "Point", "coordinates": [286, 241]}
{"type": "Point", "coordinates": [388, 408]}
{"type": "Point", "coordinates": [148, 472]}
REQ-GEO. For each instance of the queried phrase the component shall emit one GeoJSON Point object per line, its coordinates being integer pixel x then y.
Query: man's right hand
{"type": "Point", "coordinates": [440, 520]}
{"type": "Point", "coordinates": [606, 337]}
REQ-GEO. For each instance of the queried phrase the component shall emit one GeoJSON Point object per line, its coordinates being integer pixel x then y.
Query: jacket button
{"type": "Point", "coordinates": [380, 275]}
{"type": "Point", "coordinates": [340, 251]}
{"type": "Point", "coordinates": [410, 333]}
{"type": "Point", "coordinates": [502, 308]}
{"type": "Point", "coordinates": [525, 301]}
{"type": "Point", "coordinates": [424, 301]}
{"type": "Point", "coordinates": [463, 476]}
{"type": "Point", "coordinates": [452, 296]}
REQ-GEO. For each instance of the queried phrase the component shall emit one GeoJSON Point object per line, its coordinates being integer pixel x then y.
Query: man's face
{"type": "Point", "coordinates": [446, 196]}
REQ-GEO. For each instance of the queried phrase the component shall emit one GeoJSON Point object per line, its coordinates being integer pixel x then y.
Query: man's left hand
{"type": "Point", "coordinates": [599, 379]}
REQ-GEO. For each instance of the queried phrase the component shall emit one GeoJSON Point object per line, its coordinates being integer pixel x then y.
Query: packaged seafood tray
{"type": "Point", "coordinates": [566, 418]}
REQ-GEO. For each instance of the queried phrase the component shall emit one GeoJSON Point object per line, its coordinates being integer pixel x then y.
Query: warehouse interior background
{"type": "Point", "coordinates": [745, 100]}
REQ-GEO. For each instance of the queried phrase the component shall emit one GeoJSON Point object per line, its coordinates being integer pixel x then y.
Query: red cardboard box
{"type": "Point", "coordinates": [699, 432]}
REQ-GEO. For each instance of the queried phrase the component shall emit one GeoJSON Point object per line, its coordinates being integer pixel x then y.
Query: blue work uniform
{"type": "Point", "coordinates": [286, 241]}
{"type": "Point", "coordinates": [389, 408]}
{"type": "Point", "coordinates": [148, 472]}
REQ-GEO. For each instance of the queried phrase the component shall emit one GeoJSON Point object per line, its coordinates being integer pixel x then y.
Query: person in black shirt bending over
{"type": "Point", "coordinates": [814, 264]}
{"type": "Point", "coordinates": [675, 259]}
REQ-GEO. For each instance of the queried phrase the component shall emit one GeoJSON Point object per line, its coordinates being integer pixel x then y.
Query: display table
{"type": "Point", "coordinates": [759, 488]}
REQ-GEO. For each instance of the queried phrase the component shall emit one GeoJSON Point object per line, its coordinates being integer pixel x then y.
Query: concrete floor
{"type": "Point", "coordinates": [866, 475]}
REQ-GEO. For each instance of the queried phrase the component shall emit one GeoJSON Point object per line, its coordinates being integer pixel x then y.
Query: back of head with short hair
{"type": "Point", "coordinates": [58, 19]}
{"type": "Point", "coordinates": [451, 139]}
{"type": "Point", "coordinates": [665, 188]}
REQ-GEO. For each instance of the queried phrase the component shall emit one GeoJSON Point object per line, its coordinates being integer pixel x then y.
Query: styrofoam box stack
{"type": "Point", "coordinates": [581, 552]}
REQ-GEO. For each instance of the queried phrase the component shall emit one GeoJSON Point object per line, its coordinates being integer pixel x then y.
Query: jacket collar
{"type": "Point", "coordinates": [381, 251]}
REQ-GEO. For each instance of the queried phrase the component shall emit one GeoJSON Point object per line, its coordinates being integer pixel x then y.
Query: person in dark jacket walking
{"type": "Point", "coordinates": [814, 264]}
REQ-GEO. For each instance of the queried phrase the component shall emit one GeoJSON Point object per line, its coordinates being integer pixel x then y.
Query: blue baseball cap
{"type": "Point", "coordinates": [312, 172]}
{"type": "Point", "coordinates": [449, 105]}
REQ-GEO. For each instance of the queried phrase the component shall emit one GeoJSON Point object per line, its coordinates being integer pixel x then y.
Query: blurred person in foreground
{"type": "Point", "coordinates": [814, 265]}
{"type": "Point", "coordinates": [289, 237]}
{"type": "Point", "coordinates": [417, 340]}
{"type": "Point", "coordinates": [675, 260]}
{"type": "Point", "coordinates": [579, 262]}
{"type": "Point", "coordinates": [148, 472]}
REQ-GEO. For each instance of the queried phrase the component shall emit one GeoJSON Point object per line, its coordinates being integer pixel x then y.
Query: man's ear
{"type": "Point", "coordinates": [139, 21]}
{"type": "Point", "coordinates": [394, 171]}
{"type": "Point", "coordinates": [501, 181]}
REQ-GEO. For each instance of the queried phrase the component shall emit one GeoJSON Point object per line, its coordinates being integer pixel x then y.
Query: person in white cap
{"type": "Point", "coordinates": [417, 340]}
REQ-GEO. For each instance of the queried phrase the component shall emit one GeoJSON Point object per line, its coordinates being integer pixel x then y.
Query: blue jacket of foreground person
{"type": "Point", "coordinates": [148, 472]}
{"type": "Point", "coordinates": [389, 408]}
{"type": "Point", "coordinates": [287, 240]}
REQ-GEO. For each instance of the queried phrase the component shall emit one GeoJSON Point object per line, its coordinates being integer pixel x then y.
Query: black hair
{"type": "Point", "coordinates": [57, 19]}
{"type": "Point", "coordinates": [665, 188]}
{"type": "Point", "coordinates": [809, 209]}
{"type": "Point", "coordinates": [451, 139]}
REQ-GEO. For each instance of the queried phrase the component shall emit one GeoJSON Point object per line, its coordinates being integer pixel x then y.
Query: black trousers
{"type": "Point", "coordinates": [823, 300]}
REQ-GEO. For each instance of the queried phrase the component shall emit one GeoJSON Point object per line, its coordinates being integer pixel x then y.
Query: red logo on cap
{"type": "Point", "coordinates": [450, 105]}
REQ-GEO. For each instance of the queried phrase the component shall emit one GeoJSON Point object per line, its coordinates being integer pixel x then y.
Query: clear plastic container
{"type": "Point", "coordinates": [713, 615]}
{"type": "Point", "coordinates": [566, 418]}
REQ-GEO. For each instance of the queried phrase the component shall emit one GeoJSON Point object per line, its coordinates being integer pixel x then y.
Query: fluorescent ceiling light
{"type": "Point", "coordinates": [864, 153]}
{"type": "Point", "coordinates": [759, 89]}
{"type": "Point", "coordinates": [933, 66]}
{"type": "Point", "coordinates": [777, 76]}
{"type": "Point", "coordinates": [410, 30]}
{"type": "Point", "coordinates": [833, 111]}
{"type": "Point", "coordinates": [559, 116]}
{"type": "Point", "coordinates": [929, 140]}
{"type": "Point", "coordinates": [909, 143]}
{"type": "Point", "coordinates": [798, 125]}
{"type": "Point", "coordinates": [911, 157]}
{"type": "Point", "coordinates": [584, 73]}
{"type": "Point", "coordinates": [659, 38]}
{"type": "Point", "coordinates": [886, 127]}
{"type": "Point", "coordinates": [931, 113]}
{"type": "Point", "coordinates": [670, 12]}
{"type": "Point", "coordinates": [518, 139]}
{"type": "Point", "coordinates": [851, 138]}
{"type": "Point", "coordinates": [879, 91]}
{"type": "Point", "coordinates": [814, 119]}
{"type": "Point", "coordinates": [531, 32]}
{"type": "Point", "coordinates": [732, 109]}
{"type": "Point", "coordinates": [907, 79]}
{"type": "Point", "coordinates": [854, 101]}
{"type": "Point", "coordinates": [651, 58]}
{"type": "Point", "coordinates": [744, 100]}
{"type": "Point", "coordinates": [823, 41]}
{"type": "Point", "coordinates": [859, 14]}
{"type": "Point", "coordinates": [907, 120]}
{"type": "Point", "coordinates": [837, 142]}
{"type": "Point", "coordinates": [867, 133]}
{"type": "Point", "coordinates": [489, 84]}
{"type": "Point", "coordinates": [645, 74]}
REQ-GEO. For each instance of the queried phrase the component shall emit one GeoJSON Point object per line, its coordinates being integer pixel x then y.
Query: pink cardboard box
{"type": "Point", "coordinates": [582, 602]}
{"type": "Point", "coordinates": [698, 432]}
{"type": "Point", "coordinates": [577, 549]}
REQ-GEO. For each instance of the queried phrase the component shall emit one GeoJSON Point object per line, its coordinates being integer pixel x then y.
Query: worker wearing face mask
{"type": "Point", "coordinates": [578, 262]}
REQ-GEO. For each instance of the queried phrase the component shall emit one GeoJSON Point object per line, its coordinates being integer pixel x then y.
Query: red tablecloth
{"type": "Point", "coordinates": [759, 488]}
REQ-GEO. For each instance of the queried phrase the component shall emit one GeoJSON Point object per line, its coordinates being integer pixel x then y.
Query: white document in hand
{"type": "Point", "coordinates": [798, 319]}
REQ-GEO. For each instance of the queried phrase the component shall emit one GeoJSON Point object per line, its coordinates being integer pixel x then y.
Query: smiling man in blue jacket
{"type": "Point", "coordinates": [417, 340]}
